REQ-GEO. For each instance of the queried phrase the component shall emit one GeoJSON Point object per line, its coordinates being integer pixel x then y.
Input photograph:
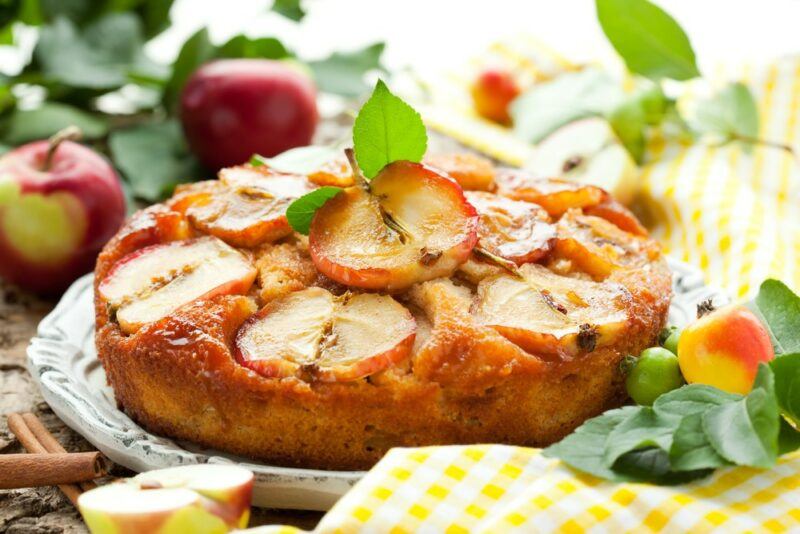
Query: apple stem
{"type": "Point", "coordinates": [70, 133]}
{"type": "Point", "coordinates": [388, 220]}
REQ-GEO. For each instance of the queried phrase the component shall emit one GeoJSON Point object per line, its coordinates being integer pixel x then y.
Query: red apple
{"type": "Point", "coordinates": [492, 93]}
{"type": "Point", "coordinates": [57, 209]}
{"type": "Point", "coordinates": [234, 108]}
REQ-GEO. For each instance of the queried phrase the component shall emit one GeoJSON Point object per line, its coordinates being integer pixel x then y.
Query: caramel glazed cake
{"type": "Point", "coordinates": [446, 302]}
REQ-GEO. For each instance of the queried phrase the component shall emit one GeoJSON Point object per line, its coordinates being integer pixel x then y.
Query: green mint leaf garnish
{"type": "Point", "coordinates": [650, 42]}
{"type": "Point", "coordinates": [386, 130]}
{"type": "Point", "coordinates": [342, 73]}
{"type": "Point", "coordinates": [301, 211]}
{"type": "Point", "coordinates": [303, 160]}
{"type": "Point", "coordinates": [730, 114]}
{"type": "Point", "coordinates": [779, 309]}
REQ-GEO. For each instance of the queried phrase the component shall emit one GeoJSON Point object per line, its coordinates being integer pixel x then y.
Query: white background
{"type": "Point", "coordinates": [432, 34]}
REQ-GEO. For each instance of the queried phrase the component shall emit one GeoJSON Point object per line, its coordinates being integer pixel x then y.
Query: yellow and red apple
{"type": "Point", "coordinates": [59, 204]}
{"type": "Point", "coordinates": [492, 92]}
{"type": "Point", "coordinates": [723, 348]}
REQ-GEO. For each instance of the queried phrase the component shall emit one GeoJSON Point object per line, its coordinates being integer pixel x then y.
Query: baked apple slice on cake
{"type": "Point", "coordinates": [247, 207]}
{"type": "Point", "coordinates": [512, 229]}
{"type": "Point", "coordinates": [598, 247]}
{"type": "Point", "coordinates": [312, 333]}
{"type": "Point", "coordinates": [548, 314]}
{"type": "Point", "coordinates": [409, 224]}
{"type": "Point", "coordinates": [555, 196]}
{"type": "Point", "coordinates": [150, 283]}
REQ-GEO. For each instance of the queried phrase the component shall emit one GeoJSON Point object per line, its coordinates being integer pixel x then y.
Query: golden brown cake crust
{"type": "Point", "coordinates": [464, 382]}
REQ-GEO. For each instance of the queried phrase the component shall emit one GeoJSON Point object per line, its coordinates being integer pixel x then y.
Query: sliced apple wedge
{"type": "Point", "coordinates": [512, 229]}
{"type": "Point", "coordinates": [247, 208]}
{"type": "Point", "coordinates": [410, 224]}
{"type": "Point", "coordinates": [229, 487]}
{"type": "Point", "coordinates": [616, 213]}
{"type": "Point", "coordinates": [555, 196]}
{"type": "Point", "coordinates": [472, 172]}
{"type": "Point", "coordinates": [587, 151]}
{"type": "Point", "coordinates": [316, 335]}
{"type": "Point", "coordinates": [552, 315]}
{"type": "Point", "coordinates": [148, 284]}
{"type": "Point", "coordinates": [598, 247]}
{"type": "Point", "coordinates": [336, 172]}
{"type": "Point", "coordinates": [191, 498]}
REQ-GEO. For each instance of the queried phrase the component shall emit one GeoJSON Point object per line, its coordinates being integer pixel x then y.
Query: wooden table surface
{"type": "Point", "coordinates": [46, 510]}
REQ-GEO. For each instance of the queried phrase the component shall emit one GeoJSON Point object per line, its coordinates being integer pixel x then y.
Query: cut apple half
{"type": "Point", "coordinates": [250, 208]}
{"type": "Point", "coordinates": [587, 151]}
{"type": "Point", "coordinates": [150, 283]}
{"type": "Point", "coordinates": [229, 487]}
{"type": "Point", "coordinates": [313, 334]}
{"type": "Point", "coordinates": [552, 315]}
{"type": "Point", "coordinates": [555, 196]}
{"type": "Point", "coordinates": [512, 229]}
{"type": "Point", "coordinates": [408, 225]}
{"type": "Point", "coordinates": [598, 247]}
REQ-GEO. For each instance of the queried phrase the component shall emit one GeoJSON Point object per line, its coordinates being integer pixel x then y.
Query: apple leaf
{"type": "Point", "coordinates": [650, 42]}
{"type": "Point", "coordinates": [303, 160]}
{"type": "Point", "coordinates": [342, 73]}
{"type": "Point", "coordinates": [779, 309]}
{"type": "Point", "coordinates": [644, 429]}
{"type": "Point", "coordinates": [194, 52]}
{"type": "Point", "coordinates": [745, 432]}
{"type": "Point", "coordinates": [291, 9]}
{"type": "Point", "coordinates": [729, 114]}
{"type": "Point", "coordinates": [787, 385]}
{"type": "Point", "coordinates": [692, 399]}
{"type": "Point", "coordinates": [242, 46]}
{"type": "Point", "coordinates": [153, 158]}
{"type": "Point", "coordinates": [386, 130]}
{"type": "Point", "coordinates": [629, 121]}
{"type": "Point", "coordinates": [691, 449]}
{"type": "Point", "coordinates": [569, 97]}
{"type": "Point", "coordinates": [788, 438]}
{"type": "Point", "coordinates": [301, 211]}
{"type": "Point", "coordinates": [583, 449]}
{"type": "Point", "coordinates": [99, 56]}
{"type": "Point", "coordinates": [49, 118]}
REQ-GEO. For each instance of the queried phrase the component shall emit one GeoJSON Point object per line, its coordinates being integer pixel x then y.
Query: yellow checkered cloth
{"type": "Point", "coordinates": [497, 488]}
{"type": "Point", "coordinates": [732, 212]}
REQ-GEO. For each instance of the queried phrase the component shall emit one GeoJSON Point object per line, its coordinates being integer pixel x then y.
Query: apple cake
{"type": "Point", "coordinates": [444, 302]}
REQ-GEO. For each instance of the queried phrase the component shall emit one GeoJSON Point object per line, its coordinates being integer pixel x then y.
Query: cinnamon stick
{"type": "Point", "coordinates": [49, 442]}
{"type": "Point", "coordinates": [19, 427]}
{"type": "Point", "coordinates": [30, 470]}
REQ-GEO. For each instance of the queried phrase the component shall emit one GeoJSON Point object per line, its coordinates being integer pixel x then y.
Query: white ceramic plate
{"type": "Point", "coordinates": [63, 360]}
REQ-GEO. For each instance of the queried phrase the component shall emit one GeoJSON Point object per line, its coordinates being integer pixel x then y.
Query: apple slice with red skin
{"type": "Point", "coordinates": [314, 334]}
{"type": "Point", "coordinates": [615, 212]}
{"type": "Point", "coordinates": [408, 225]}
{"type": "Point", "coordinates": [246, 208]}
{"type": "Point", "coordinates": [599, 247]}
{"type": "Point", "coordinates": [552, 315]}
{"type": "Point", "coordinates": [512, 229]}
{"type": "Point", "coordinates": [556, 196]}
{"type": "Point", "coordinates": [150, 283]}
